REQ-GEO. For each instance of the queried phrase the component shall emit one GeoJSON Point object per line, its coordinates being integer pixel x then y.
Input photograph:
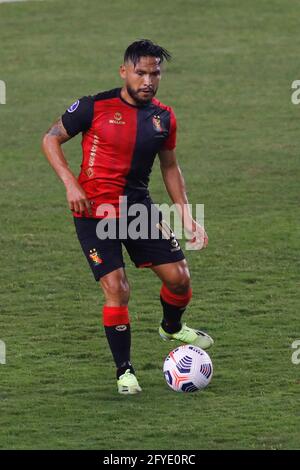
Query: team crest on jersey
{"type": "Point", "coordinates": [73, 107]}
{"type": "Point", "coordinates": [89, 172]}
{"type": "Point", "coordinates": [95, 257]}
{"type": "Point", "coordinates": [156, 123]}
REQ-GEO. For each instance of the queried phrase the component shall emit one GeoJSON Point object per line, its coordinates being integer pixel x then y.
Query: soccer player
{"type": "Point", "coordinates": [122, 132]}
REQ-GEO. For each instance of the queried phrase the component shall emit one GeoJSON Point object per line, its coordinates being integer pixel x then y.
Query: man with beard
{"type": "Point", "coordinates": [122, 132]}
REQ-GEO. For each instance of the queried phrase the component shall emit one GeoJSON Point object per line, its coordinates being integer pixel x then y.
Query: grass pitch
{"type": "Point", "coordinates": [230, 84]}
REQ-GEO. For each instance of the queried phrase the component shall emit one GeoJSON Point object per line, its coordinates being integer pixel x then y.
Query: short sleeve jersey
{"type": "Point", "coordinates": [119, 145]}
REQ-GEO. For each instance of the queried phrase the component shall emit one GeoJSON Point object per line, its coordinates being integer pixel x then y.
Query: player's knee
{"type": "Point", "coordinates": [180, 295]}
{"type": "Point", "coordinates": [116, 290]}
{"type": "Point", "coordinates": [181, 283]}
{"type": "Point", "coordinates": [180, 288]}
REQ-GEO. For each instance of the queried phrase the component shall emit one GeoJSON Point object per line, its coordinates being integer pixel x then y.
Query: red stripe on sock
{"type": "Point", "coordinates": [179, 300]}
{"type": "Point", "coordinates": [115, 315]}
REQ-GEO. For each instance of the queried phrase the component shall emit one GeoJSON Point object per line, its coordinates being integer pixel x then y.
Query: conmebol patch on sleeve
{"type": "Point", "coordinates": [73, 107]}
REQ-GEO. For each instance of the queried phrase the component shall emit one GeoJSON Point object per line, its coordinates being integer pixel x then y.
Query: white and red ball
{"type": "Point", "coordinates": [188, 369]}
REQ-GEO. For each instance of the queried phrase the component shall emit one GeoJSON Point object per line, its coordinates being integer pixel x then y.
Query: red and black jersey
{"type": "Point", "coordinates": [119, 145]}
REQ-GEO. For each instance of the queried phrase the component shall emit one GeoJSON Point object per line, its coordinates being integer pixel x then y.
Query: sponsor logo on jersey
{"type": "Point", "coordinates": [117, 119]}
{"type": "Point", "coordinates": [95, 257]}
{"type": "Point", "coordinates": [93, 152]}
{"type": "Point", "coordinates": [73, 107]}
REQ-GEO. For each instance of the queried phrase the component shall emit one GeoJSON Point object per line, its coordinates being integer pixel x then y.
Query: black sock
{"type": "Point", "coordinates": [172, 315]}
{"type": "Point", "coordinates": [119, 340]}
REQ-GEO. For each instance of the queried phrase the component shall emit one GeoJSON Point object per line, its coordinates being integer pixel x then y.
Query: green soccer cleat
{"type": "Point", "coordinates": [189, 336]}
{"type": "Point", "coordinates": [128, 384]}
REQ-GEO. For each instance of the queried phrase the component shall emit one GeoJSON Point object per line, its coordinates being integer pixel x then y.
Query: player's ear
{"type": "Point", "coordinates": [122, 71]}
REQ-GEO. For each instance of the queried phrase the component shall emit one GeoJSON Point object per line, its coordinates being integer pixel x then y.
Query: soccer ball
{"type": "Point", "coordinates": [188, 369]}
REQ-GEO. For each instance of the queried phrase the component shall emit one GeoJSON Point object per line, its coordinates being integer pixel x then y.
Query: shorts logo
{"type": "Point", "coordinates": [156, 124]}
{"type": "Point", "coordinates": [73, 107]}
{"type": "Point", "coordinates": [174, 243]}
{"type": "Point", "coordinates": [121, 328]}
{"type": "Point", "coordinates": [168, 234]}
{"type": "Point", "coordinates": [95, 257]}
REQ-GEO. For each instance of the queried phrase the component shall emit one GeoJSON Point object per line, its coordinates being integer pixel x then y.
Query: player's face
{"type": "Point", "coordinates": [141, 80]}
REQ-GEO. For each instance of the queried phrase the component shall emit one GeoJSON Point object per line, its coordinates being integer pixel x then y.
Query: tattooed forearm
{"type": "Point", "coordinates": [58, 130]}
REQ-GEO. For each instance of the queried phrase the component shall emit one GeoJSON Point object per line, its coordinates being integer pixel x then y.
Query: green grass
{"type": "Point", "coordinates": [238, 146]}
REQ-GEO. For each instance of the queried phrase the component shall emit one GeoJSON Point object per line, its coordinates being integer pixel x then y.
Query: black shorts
{"type": "Point", "coordinates": [105, 255]}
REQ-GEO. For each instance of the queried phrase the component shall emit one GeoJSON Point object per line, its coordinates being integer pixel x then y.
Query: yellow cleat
{"type": "Point", "coordinates": [189, 336]}
{"type": "Point", "coordinates": [128, 384]}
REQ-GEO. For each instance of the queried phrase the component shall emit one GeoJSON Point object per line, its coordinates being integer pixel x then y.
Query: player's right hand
{"type": "Point", "coordinates": [197, 236]}
{"type": "Point", "coordinates": [77, 199]}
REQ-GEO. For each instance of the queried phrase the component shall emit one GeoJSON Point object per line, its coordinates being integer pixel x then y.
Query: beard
{"type": "Point", "coordinates": [138, 97]}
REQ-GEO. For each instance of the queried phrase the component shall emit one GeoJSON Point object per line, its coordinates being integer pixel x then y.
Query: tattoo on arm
{"type": "Point", "coordinates": [59, 131]}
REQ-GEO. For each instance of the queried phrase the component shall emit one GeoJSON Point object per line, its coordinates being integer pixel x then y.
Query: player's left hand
{"type": "Point", "coordinates": [197, 236]}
